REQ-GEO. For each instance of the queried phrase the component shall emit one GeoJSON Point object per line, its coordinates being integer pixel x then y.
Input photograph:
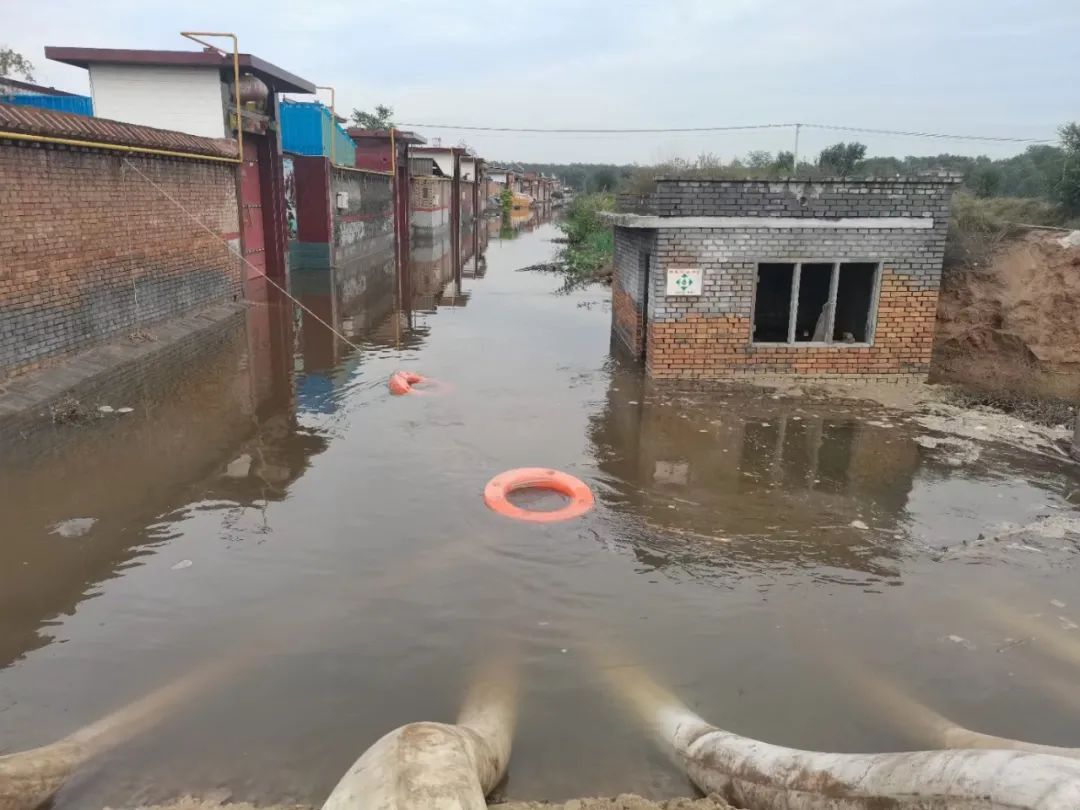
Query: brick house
{"type": "Point", "coordinates": [822, 278]}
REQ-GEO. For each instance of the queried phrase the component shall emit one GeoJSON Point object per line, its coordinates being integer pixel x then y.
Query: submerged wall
{"type": "Point", "coordinates": [92, 245]}
{"type": "Point", "coordinates": [429, 201]}
{"type": "Point", "coordinates": [363, 238]}
{"type": "Point", "coordinates": [345, 231]}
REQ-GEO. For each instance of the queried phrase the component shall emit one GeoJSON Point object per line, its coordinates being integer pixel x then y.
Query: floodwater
{"type": "Point", "coordinates": [267, 499]}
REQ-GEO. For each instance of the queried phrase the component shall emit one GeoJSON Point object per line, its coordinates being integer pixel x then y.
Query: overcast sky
{"type": "Point", "coordinates": [991, 67]}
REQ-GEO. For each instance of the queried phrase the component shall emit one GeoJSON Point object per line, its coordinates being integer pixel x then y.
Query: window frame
{"type": "Point", "coordinates": [834, 283]}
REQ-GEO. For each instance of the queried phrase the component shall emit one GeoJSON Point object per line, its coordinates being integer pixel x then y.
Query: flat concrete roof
{"type": "Point", "coordinates": [279, 81]}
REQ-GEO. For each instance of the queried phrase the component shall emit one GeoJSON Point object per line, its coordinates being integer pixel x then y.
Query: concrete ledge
{"type": "Point", "coordinates": [771, 223]}
{"type": "Point", "coordinates": [35, 390]}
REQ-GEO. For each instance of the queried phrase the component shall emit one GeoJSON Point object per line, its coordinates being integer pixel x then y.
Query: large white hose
{"type": "Point", "coordinates": [919, 721]}
{"type": "Point", "coordinates": [438, 766]}
{"type": "Point", "coordinates": [29, 778]}
{"type": "Point", "coordinates": [760, 776]}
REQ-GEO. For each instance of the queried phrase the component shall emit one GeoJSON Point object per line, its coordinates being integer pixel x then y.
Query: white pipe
{"type": "Point", "coordinates": [918, 720]}
{"type": "Point", "coordinates": [760, 776]}
{"type": "Point", "coordinates": [438, 766]}
{"type": "Point", "coordinates": [29, 778]}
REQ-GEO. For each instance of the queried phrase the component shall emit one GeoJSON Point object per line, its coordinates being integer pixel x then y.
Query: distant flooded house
{"type": "Point", "coordinates": [434, 204]}
{"type": "Point", "coordinates": [825, 278]}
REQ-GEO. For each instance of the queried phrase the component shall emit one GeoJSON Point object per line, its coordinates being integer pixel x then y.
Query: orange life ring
{"type": "Point", "coordinates": [499, 487]}
{"type": "Point", "coordinates": [402, 382]}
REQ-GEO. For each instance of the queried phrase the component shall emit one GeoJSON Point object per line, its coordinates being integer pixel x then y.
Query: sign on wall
{"type": "Point", "coordinates": [684, 280]}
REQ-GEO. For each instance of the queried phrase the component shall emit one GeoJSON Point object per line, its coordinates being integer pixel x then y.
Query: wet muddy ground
{"type": "Point", "coordinates": [764, 556]}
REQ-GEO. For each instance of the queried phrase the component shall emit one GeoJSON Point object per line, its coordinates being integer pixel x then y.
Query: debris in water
{"type": "Point", "coordinates": [125, 409]}
{"type": "Point", "coordinates": [106, 409]}
{"type": "Point", "coordinates": [985, 424]}
{"type": "Point", "coordinates": [1022, 547]}
{"type": "Point", "coordinates": [239, 467]}
{"type": "Point", "coordinates": [69, 410]}
{"type": "Point", "coordinates": [858, 524]}
{"type": "Point", "coordinates": [963, 642]}
{"type": "Point", "coordinates": [180, 566]}
{"type": "Point", "coordinates": [75, 527]}
{"type": "Point", "coordinates": [963, 451]}
{"type": "Point", "coordinates": [1011, 642]}
{"type": "Point", "coordinates": [1067, 624]}
{"type": "Point", "coordinates": [1057, 603]}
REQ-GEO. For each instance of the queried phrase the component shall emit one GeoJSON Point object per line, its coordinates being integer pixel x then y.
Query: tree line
{"type": "Point", "coordinates": [1042, 171]}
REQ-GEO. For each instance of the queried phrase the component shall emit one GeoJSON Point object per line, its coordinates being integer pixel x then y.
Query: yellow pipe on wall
{"type": "Point", "coordinates": [194, 36]}
{"type": "Point", "coordinates": [116, 147]}
{"type": "Point", "coordinates": [333, 122]}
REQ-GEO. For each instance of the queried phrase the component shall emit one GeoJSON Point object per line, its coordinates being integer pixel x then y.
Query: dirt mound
{"type": "Point", "coordinates": [1015, 320]}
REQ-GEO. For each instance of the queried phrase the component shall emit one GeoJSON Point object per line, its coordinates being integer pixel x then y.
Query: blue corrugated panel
{"type": "Point", "coordinates": [80, 105]}
{"type": "Point", "coordinates": [307, 128]}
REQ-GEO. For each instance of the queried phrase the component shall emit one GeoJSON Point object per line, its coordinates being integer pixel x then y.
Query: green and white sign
{"type": "Point", "coordinates": [684, 281]}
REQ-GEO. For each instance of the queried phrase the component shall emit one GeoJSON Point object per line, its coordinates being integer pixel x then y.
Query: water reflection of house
{"type": "Point", "coordinates": [748, 478]}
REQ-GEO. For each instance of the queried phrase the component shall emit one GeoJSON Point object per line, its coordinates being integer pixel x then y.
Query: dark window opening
{"type": "Point", "coordinates": [854, 298]}
{"type": "Point", "coordinates": [812, 314]}
{"type": "Point", "coordinates": [815, 302]}
{"type": "Point", "coordinates": [772, 305]}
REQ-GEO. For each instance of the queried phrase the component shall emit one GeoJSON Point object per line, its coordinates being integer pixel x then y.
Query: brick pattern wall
{"type": "Point", "coordinates": [792, 198]}
{"type": "Point", "coordinates": [711, 336]}
{"type": "Point", "coordinates": [363, 246]}
{"type": "Point", "coordinates": [90, 249]}
{"type": "Point", "coordinates": [627, 287]}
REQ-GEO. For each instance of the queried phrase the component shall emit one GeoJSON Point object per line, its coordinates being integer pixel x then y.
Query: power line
{"type": "Point", "coordinates": [912, 134]}
{"type": "Point", "coordinates": [599, 131]}
{"type": "Point", "coordinates": [660, 130]}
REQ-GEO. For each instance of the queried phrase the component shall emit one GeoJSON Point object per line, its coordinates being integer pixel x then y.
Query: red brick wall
{"type": "Point", "coordinates": [705, 346]}
{"type": "Point", "coordinates": [91, 250]}
{"type": "Point", "coordinates": [627, 318]}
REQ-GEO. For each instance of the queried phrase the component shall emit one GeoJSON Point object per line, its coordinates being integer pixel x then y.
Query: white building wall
{"type": "Point", "coordinates": [185, 99]}
{"type": "Point", "coordinates": [444, 160]}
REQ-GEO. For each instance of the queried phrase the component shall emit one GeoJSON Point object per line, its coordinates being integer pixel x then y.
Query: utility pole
{"type": "Point", "coordinates": [795, 160]}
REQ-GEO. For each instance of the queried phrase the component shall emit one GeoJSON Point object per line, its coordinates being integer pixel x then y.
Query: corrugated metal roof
{"type": "Point", "coordinates": [34, 121]}
{"type": "Point", "coordinates": [78, 105]}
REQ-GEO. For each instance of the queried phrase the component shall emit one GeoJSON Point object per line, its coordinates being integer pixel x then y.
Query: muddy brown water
{"type": "Point", "coordinates": [272, 494]}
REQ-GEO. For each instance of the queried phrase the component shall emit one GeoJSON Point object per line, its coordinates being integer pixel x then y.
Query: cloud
{"type": "Point", "coordinates": [963, 65]}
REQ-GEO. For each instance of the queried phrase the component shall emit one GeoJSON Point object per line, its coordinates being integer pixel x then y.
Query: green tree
{"type": "Point", "coordinates": [13, 63]}
{"type": "Point", "coordinates": [985, 180]}
{"type": "Point", "coordinates": [1068, 188]}
{"type": "Point", "coordinates": [603, 180]}
{"type": "Point", "coordinates": [759, 159]}
{"type": "Point", "coordinates": [784, 162]}
{"type": "Point", "coordinates": [382, 118]}
{"type": "Point", "coordinates": [841, 158]}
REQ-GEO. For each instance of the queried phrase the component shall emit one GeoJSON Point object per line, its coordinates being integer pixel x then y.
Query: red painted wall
{"type": "Point", "coordinates": [373, 153]}
{"type": "Point", "coordinates": [312, 176]}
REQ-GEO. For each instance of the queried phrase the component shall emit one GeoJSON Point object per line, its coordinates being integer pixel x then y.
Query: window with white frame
{"type": "Point", "coordinates": [816, 302]}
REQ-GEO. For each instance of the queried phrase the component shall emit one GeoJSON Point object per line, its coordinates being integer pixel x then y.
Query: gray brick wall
{"type": "Point", "coordinates": [631, 248]}
{"type": "Point", "coordinates": [729, 259]}
{"type": "Point", "coordinates": [796, 198]}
